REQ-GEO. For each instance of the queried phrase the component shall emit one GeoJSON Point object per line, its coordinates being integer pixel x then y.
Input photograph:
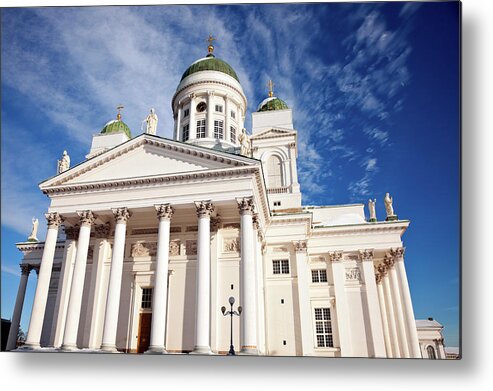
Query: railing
{"type": "Point", "coordinates": [277, 190]}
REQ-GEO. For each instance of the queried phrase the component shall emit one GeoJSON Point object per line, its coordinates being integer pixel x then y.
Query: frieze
{"type": "Point", "coordinates": [143, 249]}
{"type": "Point", "coordinates": [353, 274]}
{"type": "Point", "coordinates": [191, 228]}
{"type": "Point", "coordinates": [231, 245]}
{"type": "Point", "coordinates": [145, 231]}
{"type": "Point", "coordinates": [351, 257]}
{"type": "Point", "coordinates": [191, 247]}
{"type": "Point", "coordinates": [174, 247]}
{"type": "Point", "coordinates": [300, 246]}
{"type": "Point", "coordinates": [174, 229]}
{"type": "Point", "coordinates": [335, 256]}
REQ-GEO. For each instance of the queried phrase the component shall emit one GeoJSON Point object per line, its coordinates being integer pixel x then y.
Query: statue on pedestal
{"type": "Point", "coordinates": [246, 146]}
{"type": "Point", "coordinates": [34, 231]}
{"type": "Point", "coordinates": [64, 163]}
{"type": "Point", "coordinates": [391, 216]}
{"type": "Point", "coordinates": [371, 207]}
{"type": "Point", "coordinates": [151, 122]}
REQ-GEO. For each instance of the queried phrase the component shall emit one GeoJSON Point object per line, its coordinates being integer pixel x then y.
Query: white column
{"type": "Point", "coordinates": [304, 280]}
{"type": "Point", "coordinates": [259, 245]}
{"type": "Point", "coordinates": [399, 314]}
{"type": "Point", "coordinates": [95, 307]}
{"type": "Point", "coordinates": [19, 303]}
{"type": "Point", "coordinates": [75, 300]}
{"type": "Point", "coordinates": [192, 128]}
{"type": "Point", "coordinates": [412, 332]}
{"type": "Point", "coordinates": [114, 288]}
{"type": "Point", "coordinates": [64, 284]}
{"type": "Point", "coordinates": [227, 121]}
{"type": "Point", "coordinates": [203, 302]}
{"type": "Point", "coordinates": [210, 114]}
{"type": "Point", "coordinates": [160, 291]}
{"type": "Point", "coordinates": [396, 351]}
{"type": "Point", "coordinates": [383, 314]}
{"type": "Point", "coordinates": [342, 310]}
{"type": "Point", "coordinates": [366, 257]}
{"type": "Point", "coordinates": [41, 296]}
{"type": "Point", "coordinates": [248, 330]}
{"type": "Point", "coordinates": [178, 132]}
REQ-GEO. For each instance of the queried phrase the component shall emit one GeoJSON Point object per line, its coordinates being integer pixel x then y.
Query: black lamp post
{"type": "Point", "coordinates": [231, 313]}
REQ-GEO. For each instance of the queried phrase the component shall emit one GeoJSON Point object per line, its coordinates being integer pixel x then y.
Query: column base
{"type": "Point", "coordinates": [156, 350]}
{"type": "Point", "coordinates": [249, 351]}
{"type": "Point", "coordinates": [69, 348]}
{"type": "Point", "coordinates": [109, 349]}
{"type": "Point", "coordinates": [30, 346]}
{"type": "Point", "coordinates": [201, 350]}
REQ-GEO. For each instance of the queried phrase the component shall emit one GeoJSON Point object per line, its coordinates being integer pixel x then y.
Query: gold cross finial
{"type": "Point", "coordinates": [270, 84]}
{"type": "Point", "coordinates": [119, 115]}
{"type": "Point", "coordinates": [211, 39]}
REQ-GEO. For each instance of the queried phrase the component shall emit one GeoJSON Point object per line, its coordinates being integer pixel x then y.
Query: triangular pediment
{"type": "Point", "coordinates": [273, 133]}
{"type": "Point", "coordinates": [147, 156]}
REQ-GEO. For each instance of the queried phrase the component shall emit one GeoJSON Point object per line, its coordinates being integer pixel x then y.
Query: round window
{"type": "Point", "coordinates": [201, 107]}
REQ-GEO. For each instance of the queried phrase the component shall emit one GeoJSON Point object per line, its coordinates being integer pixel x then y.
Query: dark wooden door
{"type": "Point", "coordinates": [144, 332]}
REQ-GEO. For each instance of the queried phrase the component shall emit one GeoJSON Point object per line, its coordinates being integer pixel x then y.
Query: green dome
{"type": "Point", "coordinates": [210, 63]}
{"type": "Point", "coordinates": [272, 103]}
{"type": "Point", "coordinates": [116, 126]}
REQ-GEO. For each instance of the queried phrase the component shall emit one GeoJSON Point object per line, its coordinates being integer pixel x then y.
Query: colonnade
{"type": "Point", "coordinates": [68, 334]}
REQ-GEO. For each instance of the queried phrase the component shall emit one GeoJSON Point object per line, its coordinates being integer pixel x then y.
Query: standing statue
{"type": "Point", "coordinates": [151, 122]}
{"type": "Point", "coordinates": [388, 208]}
{"type": "Point", "coordinates": [64, 163]}
{"type": "Point", "coordinates": [34, 231]}
{"type": "Point", "coordinates": [371, 207]}
{"type": "Point", "coordinates": [246, 147]}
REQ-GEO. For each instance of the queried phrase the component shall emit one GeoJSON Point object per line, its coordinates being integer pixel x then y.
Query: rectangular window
{"type": "Point", "coordinates": [146, 298]}
{"type": "Point", "coordinates": [233, 114]}
{"type": "Point", "coordinates": [323, 328]}
{"type": "Point", "coordinates": [201, 128]}
{"type": "Point", "coordinates": [218, 129]}
{"type": "Point", "coordinates": [232, 134]}
{"type": "Point", "coordinates": [280, 266]}
{"type": "Point", "coordinates": [186, 113]}
{"type": "Point", "coordinates": [219, 108]}
{"type": "Point", "coordinates": [319, 275]}
{"type": "Point", "coordinates": [186, 132]}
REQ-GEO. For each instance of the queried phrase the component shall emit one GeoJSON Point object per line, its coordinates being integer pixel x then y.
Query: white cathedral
{"type": "Point", "coordinates": [149, 238]}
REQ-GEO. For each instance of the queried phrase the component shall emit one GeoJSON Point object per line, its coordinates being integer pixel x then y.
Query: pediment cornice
{"type": "Point", "coordinates": [274, 133]}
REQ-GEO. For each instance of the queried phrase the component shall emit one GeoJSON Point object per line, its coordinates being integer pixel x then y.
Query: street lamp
{"type": "Point", "coordinates": [231, 313]}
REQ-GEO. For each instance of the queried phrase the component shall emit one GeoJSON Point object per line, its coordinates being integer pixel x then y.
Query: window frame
{"type": "Point", "coordinates": [146, 299]}
{"type": "Point", "coordinates": [185, 130]}
{"type": "Point", "coordinates": [323, 327]}
{"type": "Point", "coordinates": [201, 128]}
{"type": "Point", "coordinates": [219, 130]}
{"type": "Point", "coordinates": [317, 275]}
{"type": "Point", "coordinates": [280, 267]}
{"type": "Point", "coordinates": [232, 134]}
{"type": "Point", "coordinates": [186, 112]}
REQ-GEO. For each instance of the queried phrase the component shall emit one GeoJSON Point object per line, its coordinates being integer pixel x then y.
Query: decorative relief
{"type": "Point", "coordinates": [174, 247]}
{"type": "Point", "coordinates": [366, 255]}
{"type": "Point", "coordinates": [72, 233]}
{"type": "Point", "coordinates": [382, 269]}
{"type": "Point", "coordinates": [246, 205]}
{"type": "Point", "coordinates": [204, 208]}
{"type": "Point", "coordinates": [54, 220]}
{"type": "Point", "coordinates": [86, 217]}
{"type": "Point", "coordinates": [191, 247]}
{"type": "Point", "coordinates": [389, 261]}
{"type": "Point", "coordinates": [255, 221]}
{"type": "Point", "coordinates": [164, 211]}
{"type": "Point", "coordinates": [353, 274]}
{"type": "Point", "coordinates": [143, 249]}
{"type": "Point", "coordinates": [397, 252]}
{"type": "Point", "coordinates": [231, 245]}
{"type": "Point", "coordinates": [335, 256]}
{"type": "Point", "coordinates": [215, 223]}
{"type": "Point", "coordinates": [300, 246]}
{"type": "Point", "coordinates": [121, 215]}
{"type": "Point", "coordinates": [102, 230]}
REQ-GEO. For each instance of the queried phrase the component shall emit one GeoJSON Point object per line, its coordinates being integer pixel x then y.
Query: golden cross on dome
{"type": "Point", "coordinates": [270, 84]}
{"type": "Point", "coordinates": [211, 39]}
{"type": "Point", "coordinates": [119, 115]}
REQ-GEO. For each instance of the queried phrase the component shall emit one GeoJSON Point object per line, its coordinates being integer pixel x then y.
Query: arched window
{"type": "Point", "coordinates": [274, 172]}
{"type": "Point", "coordinates": [431, 353]}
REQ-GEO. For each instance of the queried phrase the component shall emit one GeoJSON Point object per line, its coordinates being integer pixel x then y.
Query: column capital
{"type": "Point", "coordinates": [378, 277]}
{"type": "Point", "coordinates": [121, 214]}
{"type": "Point", "coordinates": [300, 246]}
{"type": "Point", "coordinates": [246, 205]}
{"type": "Point", "coordinates": [366, 255]}
{"type": "Point", "coordinates": [397, 253]}
{"type": "Point", "coordinates": [382, 270]}
{"type": "Point", "coordinates": [192, 96]}
{"type": "Point", "coordinates": [335, 256]}
{"type": "Point", "coordinates": [204, 208]}
{"type": "Point", "coordinates": [255, 221]}
{"type": "Point", "coordinates": [72, 232]}
{"type": "Point", "coordinates": [215, 222]}
{"type": "Point", "coordinates": [164, 211]}
{"type": "Point", "coordinates": [102, 230]}
{"type": "Point", "coordinates": [25, 268]}
{"type": "Point", "coordinates": [86, 217]}
{"type": "Point", "coordinates": [210, 93]}
{"type": "Point", "coordinates": [35, 268]}
{"type": "Point", "coordinates": [54, 219]}
{"type": "Point", "coordinates": [389, 261]}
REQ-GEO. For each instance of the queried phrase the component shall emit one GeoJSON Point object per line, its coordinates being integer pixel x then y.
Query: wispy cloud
{"type": "Point", "coordinates": [10, 270]}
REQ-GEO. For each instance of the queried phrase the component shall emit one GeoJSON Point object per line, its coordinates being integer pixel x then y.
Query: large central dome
{"type": "Point", "coordinates": [210, 63]}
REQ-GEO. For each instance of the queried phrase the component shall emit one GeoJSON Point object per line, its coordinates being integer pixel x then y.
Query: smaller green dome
{"type": "Point", "coordinates": [116, 126]}
{"type": "Point", "coordinates": [272, 103]}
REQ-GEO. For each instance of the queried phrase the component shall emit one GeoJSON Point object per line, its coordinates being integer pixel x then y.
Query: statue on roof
{"type": "Point", "coordinates": [371, 207]}
{"type": "Point", "coordinates": [245, 144]}
{"type": "Point", "coordinates": [34, 231]}
{"type": "Point", "coordinates": [64, 163]}
{"type": "Point", "coordinates": [151, 122]}
{"type": "Point", "coordinates": [391, 216]}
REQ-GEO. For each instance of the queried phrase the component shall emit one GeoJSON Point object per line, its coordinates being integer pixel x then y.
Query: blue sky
{"type": "Point", "coordinates": [374, 90]}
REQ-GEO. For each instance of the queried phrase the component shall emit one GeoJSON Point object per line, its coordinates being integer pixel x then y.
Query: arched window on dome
{"type": "Point", "coordinates": [431, 353]}
{"type": "Point", "coordinates": [274, 172]}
